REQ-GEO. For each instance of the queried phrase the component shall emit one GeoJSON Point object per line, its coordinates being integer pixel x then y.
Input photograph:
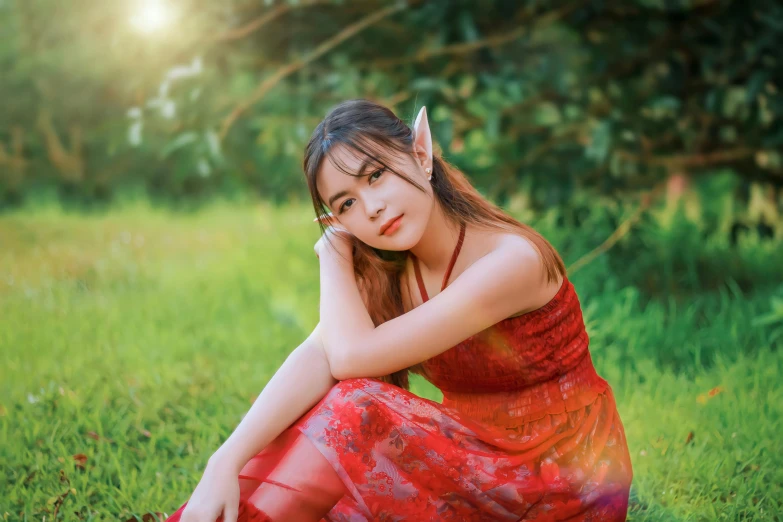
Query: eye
{"type": "Point", "coordinates": [343, 208]}
{"type": "Point", "coordinates": [379, 171]}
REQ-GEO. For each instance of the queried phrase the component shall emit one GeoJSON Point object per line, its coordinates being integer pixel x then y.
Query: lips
{"type": "Point", "coordinates": [389, 223]}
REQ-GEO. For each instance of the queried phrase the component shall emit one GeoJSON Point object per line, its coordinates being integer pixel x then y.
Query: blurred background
{"type": "Point", "coordinates": [156, 237]}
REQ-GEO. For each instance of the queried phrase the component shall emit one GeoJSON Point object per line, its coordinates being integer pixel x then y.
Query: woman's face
{"type": "Point", "coordinates": [363, 204]}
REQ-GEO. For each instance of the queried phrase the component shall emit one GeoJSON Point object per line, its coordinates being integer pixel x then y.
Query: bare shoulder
{"type": "Point", "coordinates": [525, 270]}
{"type": "Point", "coordinates": [528, 262]}
{"type": "Point", "coordinates": [520, 246]}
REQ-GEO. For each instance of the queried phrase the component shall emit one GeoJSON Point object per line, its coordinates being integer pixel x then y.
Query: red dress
{"type": "Point", "coordinates": [526, 431]}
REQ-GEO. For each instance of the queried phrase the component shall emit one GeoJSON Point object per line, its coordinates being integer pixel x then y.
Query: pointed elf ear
{"type": "Point", "coordinates": [421, 134]}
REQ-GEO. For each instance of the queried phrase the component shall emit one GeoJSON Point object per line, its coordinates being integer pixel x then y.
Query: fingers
{"type": "Point", "coordinates": [203, 515]}
{"type": "Point", "coordinates": [324, 218]}
{"type": "Point", "coordinates": [230, 514]}
{"type": "Point", "coordinates": [331, 221]}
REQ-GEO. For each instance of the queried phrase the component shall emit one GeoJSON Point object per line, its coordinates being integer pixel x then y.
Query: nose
{"type": "Point", "coordinates": [374, 207]}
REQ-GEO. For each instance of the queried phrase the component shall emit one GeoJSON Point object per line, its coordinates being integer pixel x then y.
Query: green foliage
{"type": "Point", "coordinates": [561, 97]}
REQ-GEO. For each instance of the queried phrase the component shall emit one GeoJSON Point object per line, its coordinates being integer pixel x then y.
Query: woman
{"type": "Point", "coordinates": [420, 273]}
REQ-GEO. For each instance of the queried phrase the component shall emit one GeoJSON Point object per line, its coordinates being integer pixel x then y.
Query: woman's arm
{"type": "Point", "coordinates": [301, 381]}
{"type": "Point", "coordinates": [503, 282]}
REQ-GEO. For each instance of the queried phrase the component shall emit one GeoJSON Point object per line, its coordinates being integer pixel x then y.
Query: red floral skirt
{"type": "Point", "coordinates": [399, 457]}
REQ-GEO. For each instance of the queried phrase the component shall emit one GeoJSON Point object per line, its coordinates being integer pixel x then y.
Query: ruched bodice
{"type": "Point", "coordinates": [516, 353]}
{"type": "Point", "coordinates": [520, 368]}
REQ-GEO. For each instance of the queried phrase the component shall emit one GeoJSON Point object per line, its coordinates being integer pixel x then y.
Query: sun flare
{"type": "Point", "coordinates": [151, 16]}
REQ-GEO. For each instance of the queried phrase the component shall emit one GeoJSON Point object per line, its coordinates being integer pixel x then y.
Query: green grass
{"type": "Point", "coordinates": [136, 340]}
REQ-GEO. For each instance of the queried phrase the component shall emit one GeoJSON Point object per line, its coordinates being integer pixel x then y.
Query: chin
{"type": "Point", "coordinates": [397, 242]}
{"type": "Point", "coordinates": [400, 242]}
{"type": "Point", "coordinates": [389, 245]}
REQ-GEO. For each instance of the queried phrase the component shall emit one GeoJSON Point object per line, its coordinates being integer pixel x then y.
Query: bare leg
{"type": "Point", "coordinates": [301, 484]}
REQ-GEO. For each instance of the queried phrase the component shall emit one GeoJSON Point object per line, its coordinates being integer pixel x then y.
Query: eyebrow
{"type": "Point", "coordinates": [367, 161]}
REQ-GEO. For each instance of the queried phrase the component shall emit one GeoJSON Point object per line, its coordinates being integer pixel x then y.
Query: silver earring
{"type": "Point", "coordinates": [428, 170]}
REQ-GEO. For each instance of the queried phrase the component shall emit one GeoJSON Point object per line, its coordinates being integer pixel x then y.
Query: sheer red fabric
{"type": "Point", "coordinates": [289, 480]}
{"type": "Point", "coordinates": [527, 430]}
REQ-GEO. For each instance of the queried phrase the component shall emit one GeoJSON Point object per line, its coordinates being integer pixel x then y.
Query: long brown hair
{"type": "Point", "coordinates": [375, 131]}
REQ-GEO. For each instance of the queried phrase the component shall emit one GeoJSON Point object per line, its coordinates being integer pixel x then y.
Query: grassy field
{"type": "Point", "coordinates": [131, 343]}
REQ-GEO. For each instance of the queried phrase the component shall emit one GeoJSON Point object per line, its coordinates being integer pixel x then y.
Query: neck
{"type": "Point", "coordinates": [436, 246]}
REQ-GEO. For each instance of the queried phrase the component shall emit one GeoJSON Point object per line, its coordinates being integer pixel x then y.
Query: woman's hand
{"type": "Point", "coordinates": [217, 493]}
{"type": "Point", "coordinates": [336, 240]}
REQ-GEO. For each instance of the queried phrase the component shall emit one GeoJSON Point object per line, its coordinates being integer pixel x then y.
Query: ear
{"type": "Point", "coordinates": [422, 139]}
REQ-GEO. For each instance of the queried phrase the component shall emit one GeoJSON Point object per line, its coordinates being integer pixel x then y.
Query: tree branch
{"type": "Point", "coordinates": [292, 67]}
{"type": "Point", "coordinates": [258, 23]}
{"type": "Point", "coordinates": [690, 161]}
{"type": "Point", "coordinates": [69, 163]}
{"type": "Point", "coordinates": [492, 41]}
{"type": "Point", "coordinates": [565, 135]}
{"type": "Point", "coordinates": [619, 233]}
